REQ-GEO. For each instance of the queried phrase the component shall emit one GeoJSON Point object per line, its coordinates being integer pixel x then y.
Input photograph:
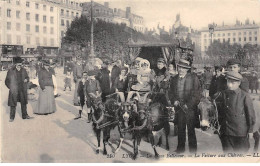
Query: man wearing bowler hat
{"type": "Point", "coordinates": [236, 115]}
{"type": "Point", "coordinates": [16, 81]}
{"type": "Point", "coordinates": [184, 94]}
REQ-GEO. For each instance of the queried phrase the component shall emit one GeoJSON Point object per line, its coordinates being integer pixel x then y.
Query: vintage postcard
{"type": "Point", "coordinates": [129, 81]}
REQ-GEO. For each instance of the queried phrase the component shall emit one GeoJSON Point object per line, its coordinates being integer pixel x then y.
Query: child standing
{"type": "Point", "coordinates": [236, 115]}
{"type": "Point", "coordinates": [67, 81]}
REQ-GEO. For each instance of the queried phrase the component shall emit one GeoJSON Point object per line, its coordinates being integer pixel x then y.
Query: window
{"type": "Point", "coordinates": [45, 41]}
{"type": "Point", "coordinates": [244, 33]}
{"type": "Point", "coordinates": [51, 9]}
{"type": "Point", "coordinates": [8, 12]}
{"type": "Point", "coordinates": [234, 34]}
{"type": "Point", "coordinates": [37, 28]}
{"type": "Point", "coordinates": [68, 13]}
{"type": "Point", "coordinates": [18, 26]}
{"type": "Point", "coordinates": [36, 6]}
{"type": "Point", "coordinates": [62, 12]}
{"type": "Point", "coordinates": [27, 16]}
{"type": "Point", "coordinates": [255, 38]}
{"type": "Point", "coordinates": [228, 34]}
{"type": "Point", "coordinates": [62, 22]}
{"type": "Point", "coordinates": [52, 20]}
{"type": "Point", "coordinates": [27, 4]}
{"type": "Point", "coordinates": [8, 1]}
{"type": "Point", "coordinates": [44, 18]}
{"type": "Point", "coordinates": [37, 17]}
{"type": "Point", "coordinates": [9, 26]}
{"type": "Point", "coordinates": [28, 27]}
{"type": "Point", "coordinates": [9, 39]}
{"type": "Point", "coordinates": [18, 14]}
{"type": "Point", "coordinates": [205, 41]}
{"type": "Point", "coordinates": [255, 32]}
{"type": "Point", "coordinates": [18, 39]}
{"type": "Point", "coordinates": [52, 30]}
{"type": "Point", "coordinates": [17, 2]}
{"type": "Point", "coordinates": [224, 40]}
{"type": "Point", "coordinates": [37, 40]}
{"type": "Point", "coordinates": [244, 38]}
{"type": "Point", "coordinates": [44, 29]}
{"type": "Point", "coordinates": [62, 34]}
{"type": "Point", "coordinates": [239, 33]}
{"type": "Point", "coordinates": [77, 14]}
{"type": "Point", "coordinates": [250, 38]}
{"type": "Point", "coordinates": [250, 33]}
{"type": "Point", "coordinates": [72, 14]}
{"type": "Point", "coordinates": [67, 23]}
{"type": "Point", "coordinates": [219, 35]}
{"type": "Point", "coordinates": [52, 41]}
{"type": "Point", "coordinates": [44, 7]}
{"type": "Point", "coordinates": [205, 35]}
{"type": "Point", "coordinates": [223, 34]}
{"type": "Point", "coordinates": [28, 40]}
{"type": "Point", "coordinates": [234, 39]}
{"type": "Point", "coordinates": [239, 39]}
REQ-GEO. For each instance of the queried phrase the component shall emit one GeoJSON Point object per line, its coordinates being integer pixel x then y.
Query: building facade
{"type": "Point", "coordinates": [105, 13]}
{"type": "Point", "coordinates": [30, 24]}
{"type": "Point", "coordinates": [240, 34]}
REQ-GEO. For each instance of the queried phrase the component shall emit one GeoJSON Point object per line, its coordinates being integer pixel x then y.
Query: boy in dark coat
{"type": "Point", "coordinates": [81, 95]}
{"type": "Point", "coordinates": [236, 115]}
{"type": "Point", "coordinates": [218, 82]}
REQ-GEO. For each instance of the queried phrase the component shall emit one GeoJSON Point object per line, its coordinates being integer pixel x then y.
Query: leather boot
{"type": "Point", "coordinates": [89, 117]}
{"type": "Point", "coordinates": [79, 115]}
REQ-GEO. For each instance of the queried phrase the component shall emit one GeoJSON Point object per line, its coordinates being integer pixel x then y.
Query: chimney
{"type": "Point", "coordinates": [106, 4]}
{"type": "Point", "coordinates": [128, 12]}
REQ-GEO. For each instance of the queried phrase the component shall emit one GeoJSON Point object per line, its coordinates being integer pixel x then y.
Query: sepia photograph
{"type": "Point", "coordinates": [129, 81]}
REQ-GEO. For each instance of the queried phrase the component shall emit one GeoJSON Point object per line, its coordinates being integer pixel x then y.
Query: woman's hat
{"type": "Point", "coordinates": [17, 60]}
{"type": "Point", "coordinates": [184, 63]}
{"type": "Point", "coordinates": [46, 63]}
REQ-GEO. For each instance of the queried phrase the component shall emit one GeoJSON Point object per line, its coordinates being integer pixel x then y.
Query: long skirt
{"type": "Point", "coordinates": [46, 103]}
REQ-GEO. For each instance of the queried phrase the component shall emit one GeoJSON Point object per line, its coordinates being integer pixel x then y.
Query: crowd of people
{"type": "Point", "coordinates": [182, 86]}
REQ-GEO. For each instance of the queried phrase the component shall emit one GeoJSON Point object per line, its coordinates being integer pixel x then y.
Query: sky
{"type": "Point", "coordinates": [194, 13]}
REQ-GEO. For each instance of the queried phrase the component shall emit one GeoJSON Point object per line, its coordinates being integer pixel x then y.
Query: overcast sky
{"type": "Point", "coordinates": [197, 13]}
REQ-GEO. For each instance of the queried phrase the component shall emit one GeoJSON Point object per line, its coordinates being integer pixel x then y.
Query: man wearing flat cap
{"type": "Point", "coordinates": [184, 94]}
{"type": "Point", "coordinates": [236, 115]}
{"type": "Point", "coordinates": [16, 81]}
{"type": "Point", "coordinates": [234, 65]}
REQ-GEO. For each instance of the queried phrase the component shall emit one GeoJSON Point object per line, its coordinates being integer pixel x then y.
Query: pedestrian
{"type": "Point", "coordinates": [67, 81]}
{"type": "Point", "coordinates": [52, 70]}
{"type": "Point", "coordinates": [236, 115]}
{"type": "Point", "coordinates": [105, 80]}
{"type": "Point", "coordinates": [16, 81]}
{"type": "Point", "coordinates": [92, 91]}
{"type": "Point", "coordinates": [77, 75]}
{"type": "Point", "coordinates": [81, 94]}
{"type": "Point", "coordinates": [207, 77]}
{"type": "Point", "coordinates": [116, 71]}
{"type": "Point", "coordinates": [172, 71]}
{"type": "Point", "coordinates": [46, 102]}
{"type": "Point", "coordinates": [235, 65]}
{"type": "Point", "coordinates": [253, 83]}
{"type": "Point", "coordinates": [184, 94]}
{"type": "Point", "coordinates": [218, 82]}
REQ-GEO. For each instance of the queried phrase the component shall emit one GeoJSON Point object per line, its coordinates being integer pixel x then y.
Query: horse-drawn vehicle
{"type": "Point", "coordinates": [145, 113]}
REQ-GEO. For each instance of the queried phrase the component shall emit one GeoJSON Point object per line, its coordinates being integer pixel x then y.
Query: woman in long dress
{"type": "Point", "coordinates": [46, 103]}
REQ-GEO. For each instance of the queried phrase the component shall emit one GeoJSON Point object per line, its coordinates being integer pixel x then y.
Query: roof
{"type": "Point", "coordinates": [234, 27]}
{"type": "Point", "coordinates": [151, 45]}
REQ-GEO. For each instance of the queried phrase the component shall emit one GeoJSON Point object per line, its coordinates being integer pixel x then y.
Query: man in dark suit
{"type": "Point", "coordinates": [236, 115]}
{"type": "Point", "coordinates": [16, 81]}
{"type": "Point", "coordinates": [184, 94]}
{"type": "Point", "coordinates": [218, 82]}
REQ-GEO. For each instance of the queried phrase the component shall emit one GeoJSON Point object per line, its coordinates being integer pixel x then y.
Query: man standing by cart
{"type": "Point", "coordinates": [184, 94]}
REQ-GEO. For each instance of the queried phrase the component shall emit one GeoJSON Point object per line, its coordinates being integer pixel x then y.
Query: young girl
{"type": "Point", "coordinates": [67, 81]}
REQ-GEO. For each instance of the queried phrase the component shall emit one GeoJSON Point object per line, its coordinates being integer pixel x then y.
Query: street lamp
{"type": "Point", "coordinates": [211, 31]}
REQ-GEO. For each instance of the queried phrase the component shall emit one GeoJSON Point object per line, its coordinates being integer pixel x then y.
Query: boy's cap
{"type": "Point", "coordinates": [92, 73]}
{"type": "Point", "coordinates": [233, 62]}
{"type": "Point", "coordinates": [234, 76]}
{"type": "Point", "coordinates": [160, 60]}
